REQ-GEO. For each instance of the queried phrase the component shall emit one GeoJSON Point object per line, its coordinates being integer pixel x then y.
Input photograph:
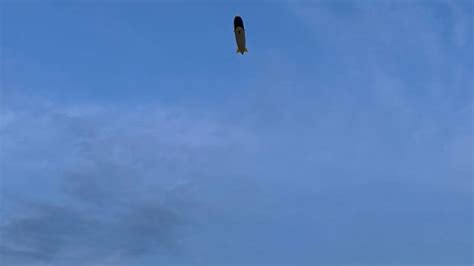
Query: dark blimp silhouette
{"type": "Point", "coordinates": [239, 31]}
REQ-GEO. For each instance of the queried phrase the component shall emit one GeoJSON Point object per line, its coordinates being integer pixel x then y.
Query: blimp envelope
{"type": "Point", "coordinates": [239, 31]}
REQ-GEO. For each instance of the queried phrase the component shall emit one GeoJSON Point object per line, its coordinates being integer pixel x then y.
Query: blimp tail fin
{"type": "Point", "coordinates": [242, 51]}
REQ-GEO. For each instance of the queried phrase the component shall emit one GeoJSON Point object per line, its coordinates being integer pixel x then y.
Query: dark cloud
{"type": "Point", "coordinates": [44, 232]}
{"type": "Point", "coordinates": [49, 232]}
{"type": "Point", "coordinates": [120, 189]}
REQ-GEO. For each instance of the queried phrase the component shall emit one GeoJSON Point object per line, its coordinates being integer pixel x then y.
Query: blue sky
{"type": "Point", "coordinates": [132, 133]}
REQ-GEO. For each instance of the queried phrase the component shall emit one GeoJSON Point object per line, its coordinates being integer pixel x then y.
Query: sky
{"type": "Point", "coordinates": [132, 133]}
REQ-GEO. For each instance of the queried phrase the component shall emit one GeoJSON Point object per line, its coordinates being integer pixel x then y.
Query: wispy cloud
{"type": "Point", "coordinates": [96, 182]}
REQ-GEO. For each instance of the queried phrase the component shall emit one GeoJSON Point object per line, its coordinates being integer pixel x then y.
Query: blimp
{"type": "Point", "coordinates": [239, 31]}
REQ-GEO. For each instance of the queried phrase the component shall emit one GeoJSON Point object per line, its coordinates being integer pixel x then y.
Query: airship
{"type": "Point", "coordinates": [239, 31]}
